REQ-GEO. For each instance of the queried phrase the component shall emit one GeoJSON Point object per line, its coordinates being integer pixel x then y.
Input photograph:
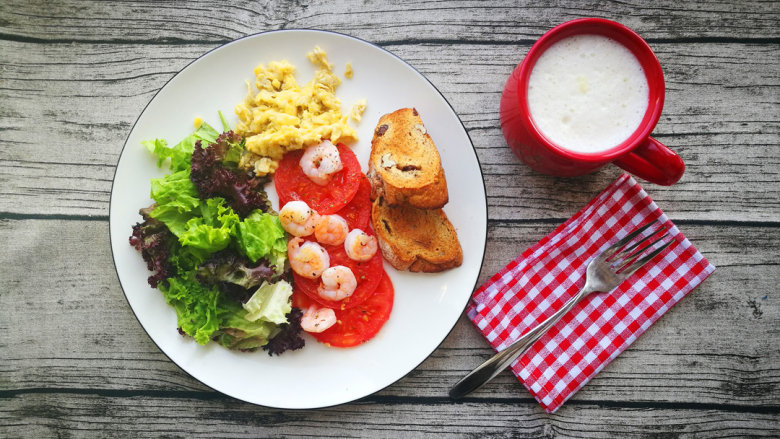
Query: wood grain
{"type": "Point", "coordinates": [382, 22]}
{"type": "Point", "coordinates": [74, 361]}
{"type": "Point", "coordinates": [42, 176]}
{"type": "Point", "coordinates": [108, 350]}
{"type": "Point", "coordinates": [214, 416]}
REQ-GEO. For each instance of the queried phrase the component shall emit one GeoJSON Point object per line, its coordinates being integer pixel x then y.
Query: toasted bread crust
{"type": "Point", "coordinates": [404, 166]}
{"type": "Point", "coordinates": [419, 240]}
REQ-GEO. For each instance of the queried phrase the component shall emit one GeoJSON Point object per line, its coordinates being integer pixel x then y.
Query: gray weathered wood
{"type": "Point", "coordinates": [74, 76]}
{"type": "Point", "coordinates": [90, 122]}
{"type": "Point", "coordinates": [209, 416]}
{"type": "Point", "coordinates": [660, 367]}
{"type": "Point", "coordinates": [377, 21]}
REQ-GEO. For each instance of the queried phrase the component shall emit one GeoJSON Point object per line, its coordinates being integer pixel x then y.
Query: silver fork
{"type": "Point", "coordinates": [604, 273]}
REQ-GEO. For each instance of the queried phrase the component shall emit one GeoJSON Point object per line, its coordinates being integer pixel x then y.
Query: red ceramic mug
{"type": "Point", "coordinates": [639, 154]}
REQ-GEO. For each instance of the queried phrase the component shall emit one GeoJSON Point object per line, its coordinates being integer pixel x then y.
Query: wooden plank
{"type": "Point", "coordinates": [74, 362]}
{"type": "Point", "coordinates": [90, 109]}
{"type": "Point", "coordinates": [65, 326]}
{"type": "Point", "coordinates": [204, 415]}
{"type": "Point", "coordinates": [383, 21]}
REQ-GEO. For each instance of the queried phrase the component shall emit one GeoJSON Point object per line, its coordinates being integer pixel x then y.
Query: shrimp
{"type": "Point", "coordinates": [331, 229]}
{"type": "Point", "coordinates": [359, 245]}
{"type": "Point", "coordinates": [309, 260]}
{"type": "Point", "coordinates": [320, 162]}
{"type": "Point", "coordinates": [318, 319]}
{"type": "Point", "coordinates": [338, 283]}
{"type": "Point", "coordinates": [297, 218]}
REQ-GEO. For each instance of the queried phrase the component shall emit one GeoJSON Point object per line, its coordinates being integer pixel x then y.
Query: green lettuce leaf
{"type": "Point", "coordinates": [213, 229]}
{"type": "Point", "coordinates": [225, 124]}
{"type": "Point", "coordinates": [176, 201]}
{"type": "Point", "coordinates": [239, 333]}
{"type": "Point", "coordinates": [181, 153]}
{"type": "Point", "coordinates": [271, 302]}
{"type": "Point", "coordinates": [198, 310]}
{"type": "Point", "coordinates": [187, 259]}
{"type": "Point", "coordinates": [204, 227]}
{"type": "Point", "coordinates": [261, 235]}
{"type": "Point", "coordinates": [233, 154]}
{"type": "Point", "coordinates": [204, 224]}
{"type": "Point", "coordinates": [176, 190]}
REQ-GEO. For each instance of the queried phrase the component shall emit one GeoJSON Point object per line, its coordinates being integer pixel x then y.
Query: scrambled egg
{"type": "Point", "coordinates": [357, 110]}
{"type": "Point", "coordinates": [283, 116]}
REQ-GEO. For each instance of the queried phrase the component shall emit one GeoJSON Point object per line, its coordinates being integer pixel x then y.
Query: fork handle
{"type": "Point", "coordinates": [500, 361]}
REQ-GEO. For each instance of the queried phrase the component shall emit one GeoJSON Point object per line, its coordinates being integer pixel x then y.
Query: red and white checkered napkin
{"type": "Point", "coordinates": [598, 329]}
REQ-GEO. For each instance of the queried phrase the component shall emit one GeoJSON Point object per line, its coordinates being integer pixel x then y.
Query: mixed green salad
{"type": "Point", "coordinates": [215, 247]}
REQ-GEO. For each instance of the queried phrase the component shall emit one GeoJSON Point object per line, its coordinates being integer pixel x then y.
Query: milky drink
{"type": "Point", "coordinates": [587, 93]}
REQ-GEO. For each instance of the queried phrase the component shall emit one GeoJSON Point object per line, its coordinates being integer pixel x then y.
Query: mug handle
{"type": "Point", "coordinates": [653, 161]}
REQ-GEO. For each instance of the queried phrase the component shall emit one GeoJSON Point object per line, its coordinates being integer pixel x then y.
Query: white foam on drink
{"type": "Point", "coordinates": [587, 93]}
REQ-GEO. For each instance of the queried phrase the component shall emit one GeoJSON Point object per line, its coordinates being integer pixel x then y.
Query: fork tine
{"type": "Point", "coordinates": [629, 270]}
{"type": "Point", "coordinates": [628, 252]}
{"type": "Point", "coordinates": [625, 258]}
{"type": "Point", "coordinates": [611, 250]}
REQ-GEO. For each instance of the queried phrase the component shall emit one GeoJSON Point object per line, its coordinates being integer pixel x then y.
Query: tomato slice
{"type": "Point", "coordinates": [368, 275]}
{"type": "Point", "coordinates": [358, 211]}
{"type": "Point", "coordinates": [359, 324]}
{"type": "Point", "coordinates": [292, 184]}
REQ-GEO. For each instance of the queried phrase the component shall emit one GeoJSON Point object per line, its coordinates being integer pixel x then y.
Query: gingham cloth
{"type": "Point", "coordinates": [599, 328]}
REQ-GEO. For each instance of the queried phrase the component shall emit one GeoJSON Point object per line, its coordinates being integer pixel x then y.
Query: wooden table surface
{"type": "Point", "coordinates": [75, 75]}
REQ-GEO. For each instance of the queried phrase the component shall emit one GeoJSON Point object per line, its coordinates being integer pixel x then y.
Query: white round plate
{"type": "Point", "coordinates": [426, 307]}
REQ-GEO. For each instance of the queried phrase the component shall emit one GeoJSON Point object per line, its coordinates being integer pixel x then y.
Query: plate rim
{"type": "Point", "coordinates": [294, 30]}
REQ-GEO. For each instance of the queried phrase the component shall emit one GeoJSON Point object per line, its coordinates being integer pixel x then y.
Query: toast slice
{"type": "Point", "coordinates": [415, 239]}
{"type": "Point", "coordinates": [404, 166]}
